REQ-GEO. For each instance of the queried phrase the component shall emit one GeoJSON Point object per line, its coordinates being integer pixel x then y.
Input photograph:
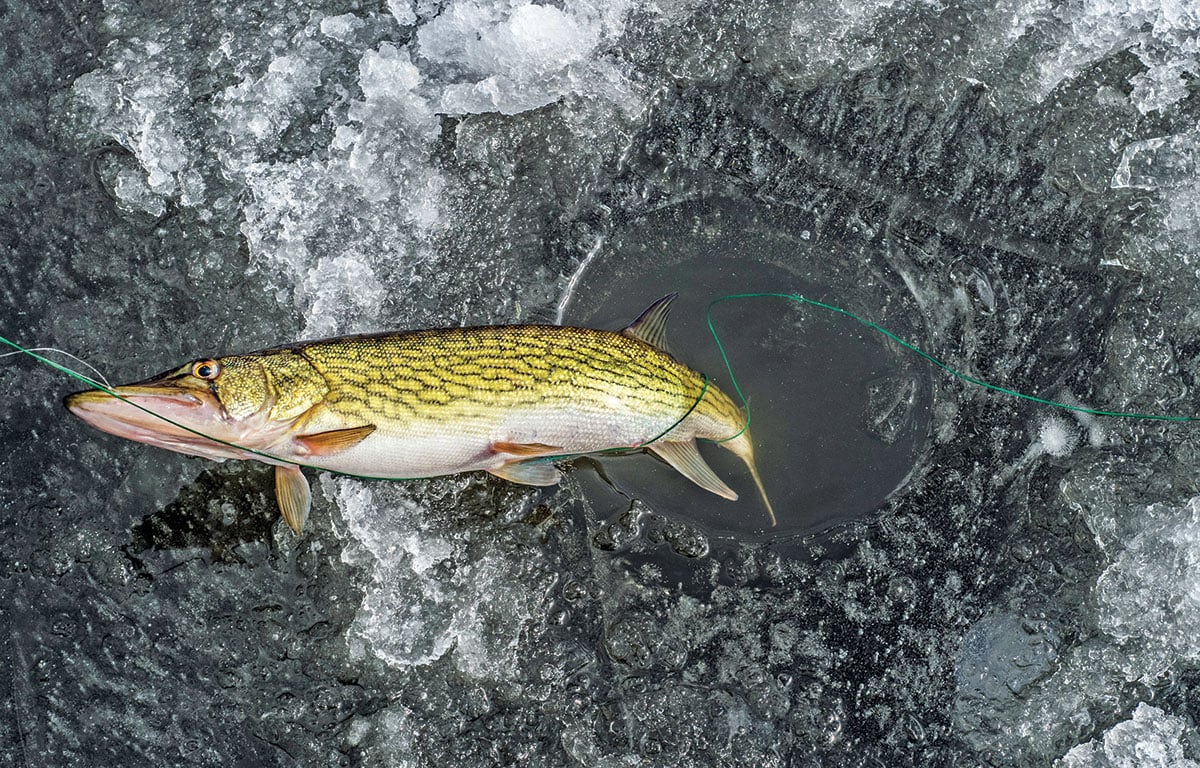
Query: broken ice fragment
{"type": "Point", "coordinates": [1150, 738]}
{"type": "Point", "coordinates": [1163, 163]}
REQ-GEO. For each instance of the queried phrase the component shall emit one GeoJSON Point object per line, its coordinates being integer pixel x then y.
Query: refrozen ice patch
{"type": "Point", "coordinates": [1167, 162]}
{"type": "Point", "coordinates": [512, 57]}
{"type": "Point", "coordinates": [1149, 739]}
{"type": "Point", "coordinates": [431, 593]}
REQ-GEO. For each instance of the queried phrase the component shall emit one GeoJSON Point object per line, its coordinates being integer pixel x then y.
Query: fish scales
{"type": "Point", "coordinates": [475, 371]}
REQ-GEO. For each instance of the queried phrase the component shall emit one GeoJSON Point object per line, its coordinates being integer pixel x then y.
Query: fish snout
{"type": "Point", "coordinates": [100, 401]}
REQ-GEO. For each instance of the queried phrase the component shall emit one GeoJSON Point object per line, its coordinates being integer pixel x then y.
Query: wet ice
{"type": "Point", "coordinates": [287, 172]}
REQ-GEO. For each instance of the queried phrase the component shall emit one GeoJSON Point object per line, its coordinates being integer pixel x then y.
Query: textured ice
{"type": "Point", "coordinates": [1025, 170]}
{"type": "Point", "coordinates": [1149, 739]}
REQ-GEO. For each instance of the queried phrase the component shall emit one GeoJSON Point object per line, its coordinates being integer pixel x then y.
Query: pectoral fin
{"type": "Point", "coordinates": [529, 472]}
{"type": "Point", "coordinates": [293, 495]}
{"type": "Point", "coordinates": [526, 449]}
{"type": "Point", "coordinates": [334, 441]}
{"type": "Point", "coordinates": [686, 460]}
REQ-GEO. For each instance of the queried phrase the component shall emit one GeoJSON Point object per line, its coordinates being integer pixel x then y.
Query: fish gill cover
{"type": "Point", "coordinates": [191, 178]}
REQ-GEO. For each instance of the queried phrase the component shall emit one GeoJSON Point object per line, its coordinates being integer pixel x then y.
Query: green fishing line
{"type": "Point", "coordinates": [804, 300]}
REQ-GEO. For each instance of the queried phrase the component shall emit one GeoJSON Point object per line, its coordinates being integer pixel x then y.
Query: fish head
{"type": "Point", "coordinates": [207, 408]}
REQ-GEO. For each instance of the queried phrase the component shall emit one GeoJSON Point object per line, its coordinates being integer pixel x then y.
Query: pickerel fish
{"type": "Point", "coordinates": [507, 399]}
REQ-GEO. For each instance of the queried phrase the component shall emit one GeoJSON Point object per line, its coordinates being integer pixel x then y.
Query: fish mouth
{"type": "Point", "coordinates": [164, 414]}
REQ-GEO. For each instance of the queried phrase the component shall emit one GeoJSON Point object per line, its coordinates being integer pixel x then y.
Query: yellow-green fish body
{"type": "Point", "coordinates": [504, 399]}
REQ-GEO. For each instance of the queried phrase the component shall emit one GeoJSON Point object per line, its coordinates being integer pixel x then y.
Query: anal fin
{"type": "Point", "coordinates": [529, 472]}
{"type": "Point", "coordinates": [293, 495]}
{"type": "Point", "coordinates": [686, 459]}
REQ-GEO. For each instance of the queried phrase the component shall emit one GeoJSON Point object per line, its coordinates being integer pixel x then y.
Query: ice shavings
{"type": "Point", "coordinates": [513, 57]}
{"type": "Point", "coordinates": [432, 593]}
{"type": "Point", "coordinates": [1163, 34]}
{"type": "Point", "coordinates": [142, 113]}
{"type": "Point", "coordinates": [396, 126]}
{"type": "Point", "coordinates": [345, 283]}
{"type": "Point", "coordinates": [355, 208]}
{"type": "Point", "coordinates": [1151, 738]}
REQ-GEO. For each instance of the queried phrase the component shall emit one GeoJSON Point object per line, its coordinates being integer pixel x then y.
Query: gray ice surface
{"type": "Point", "coordinates": [1015, 183]}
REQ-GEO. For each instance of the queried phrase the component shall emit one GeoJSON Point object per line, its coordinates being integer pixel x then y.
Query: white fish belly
{"type": "Point", "coordinates": [432, 448]}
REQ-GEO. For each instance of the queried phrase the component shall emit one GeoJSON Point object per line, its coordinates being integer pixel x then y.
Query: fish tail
{"type": "Point", "coordinates": [744, 449]}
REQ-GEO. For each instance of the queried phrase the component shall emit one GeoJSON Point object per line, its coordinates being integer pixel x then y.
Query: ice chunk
{"type": "Point", "coordinates": [1161, 86]}
{"type": "Point", "coordinates": [1165, 162]}
{"type": "Point", "coordinates": [387, 73]}
{"type": "Point", "coordinates": [1149, 597]}
{"type": "Point", "coordinates": [342, 28]}
{"type": "Point", "coordinates": [1149, 739]}
{"type": "Point", "coordinates": [403, 12]}
{"type": "Point", "coordinates": [133, 191]}
{"type": "Point", "coordinates": [532, 41]}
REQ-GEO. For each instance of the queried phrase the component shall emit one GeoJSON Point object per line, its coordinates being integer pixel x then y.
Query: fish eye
{"type": "Point", "coordinates": [206, 369]}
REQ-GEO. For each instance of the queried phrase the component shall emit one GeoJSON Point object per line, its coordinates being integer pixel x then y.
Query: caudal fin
{"type": "Point", "coordinates": [742, 446]}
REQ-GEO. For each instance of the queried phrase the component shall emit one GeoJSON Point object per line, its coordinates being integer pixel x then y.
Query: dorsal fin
{"type": "Point", "coordinates": [651, 325]}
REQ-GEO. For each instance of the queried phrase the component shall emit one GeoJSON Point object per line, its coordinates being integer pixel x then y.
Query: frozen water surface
{"type": "Point", "coordinates": [1012, 186]}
